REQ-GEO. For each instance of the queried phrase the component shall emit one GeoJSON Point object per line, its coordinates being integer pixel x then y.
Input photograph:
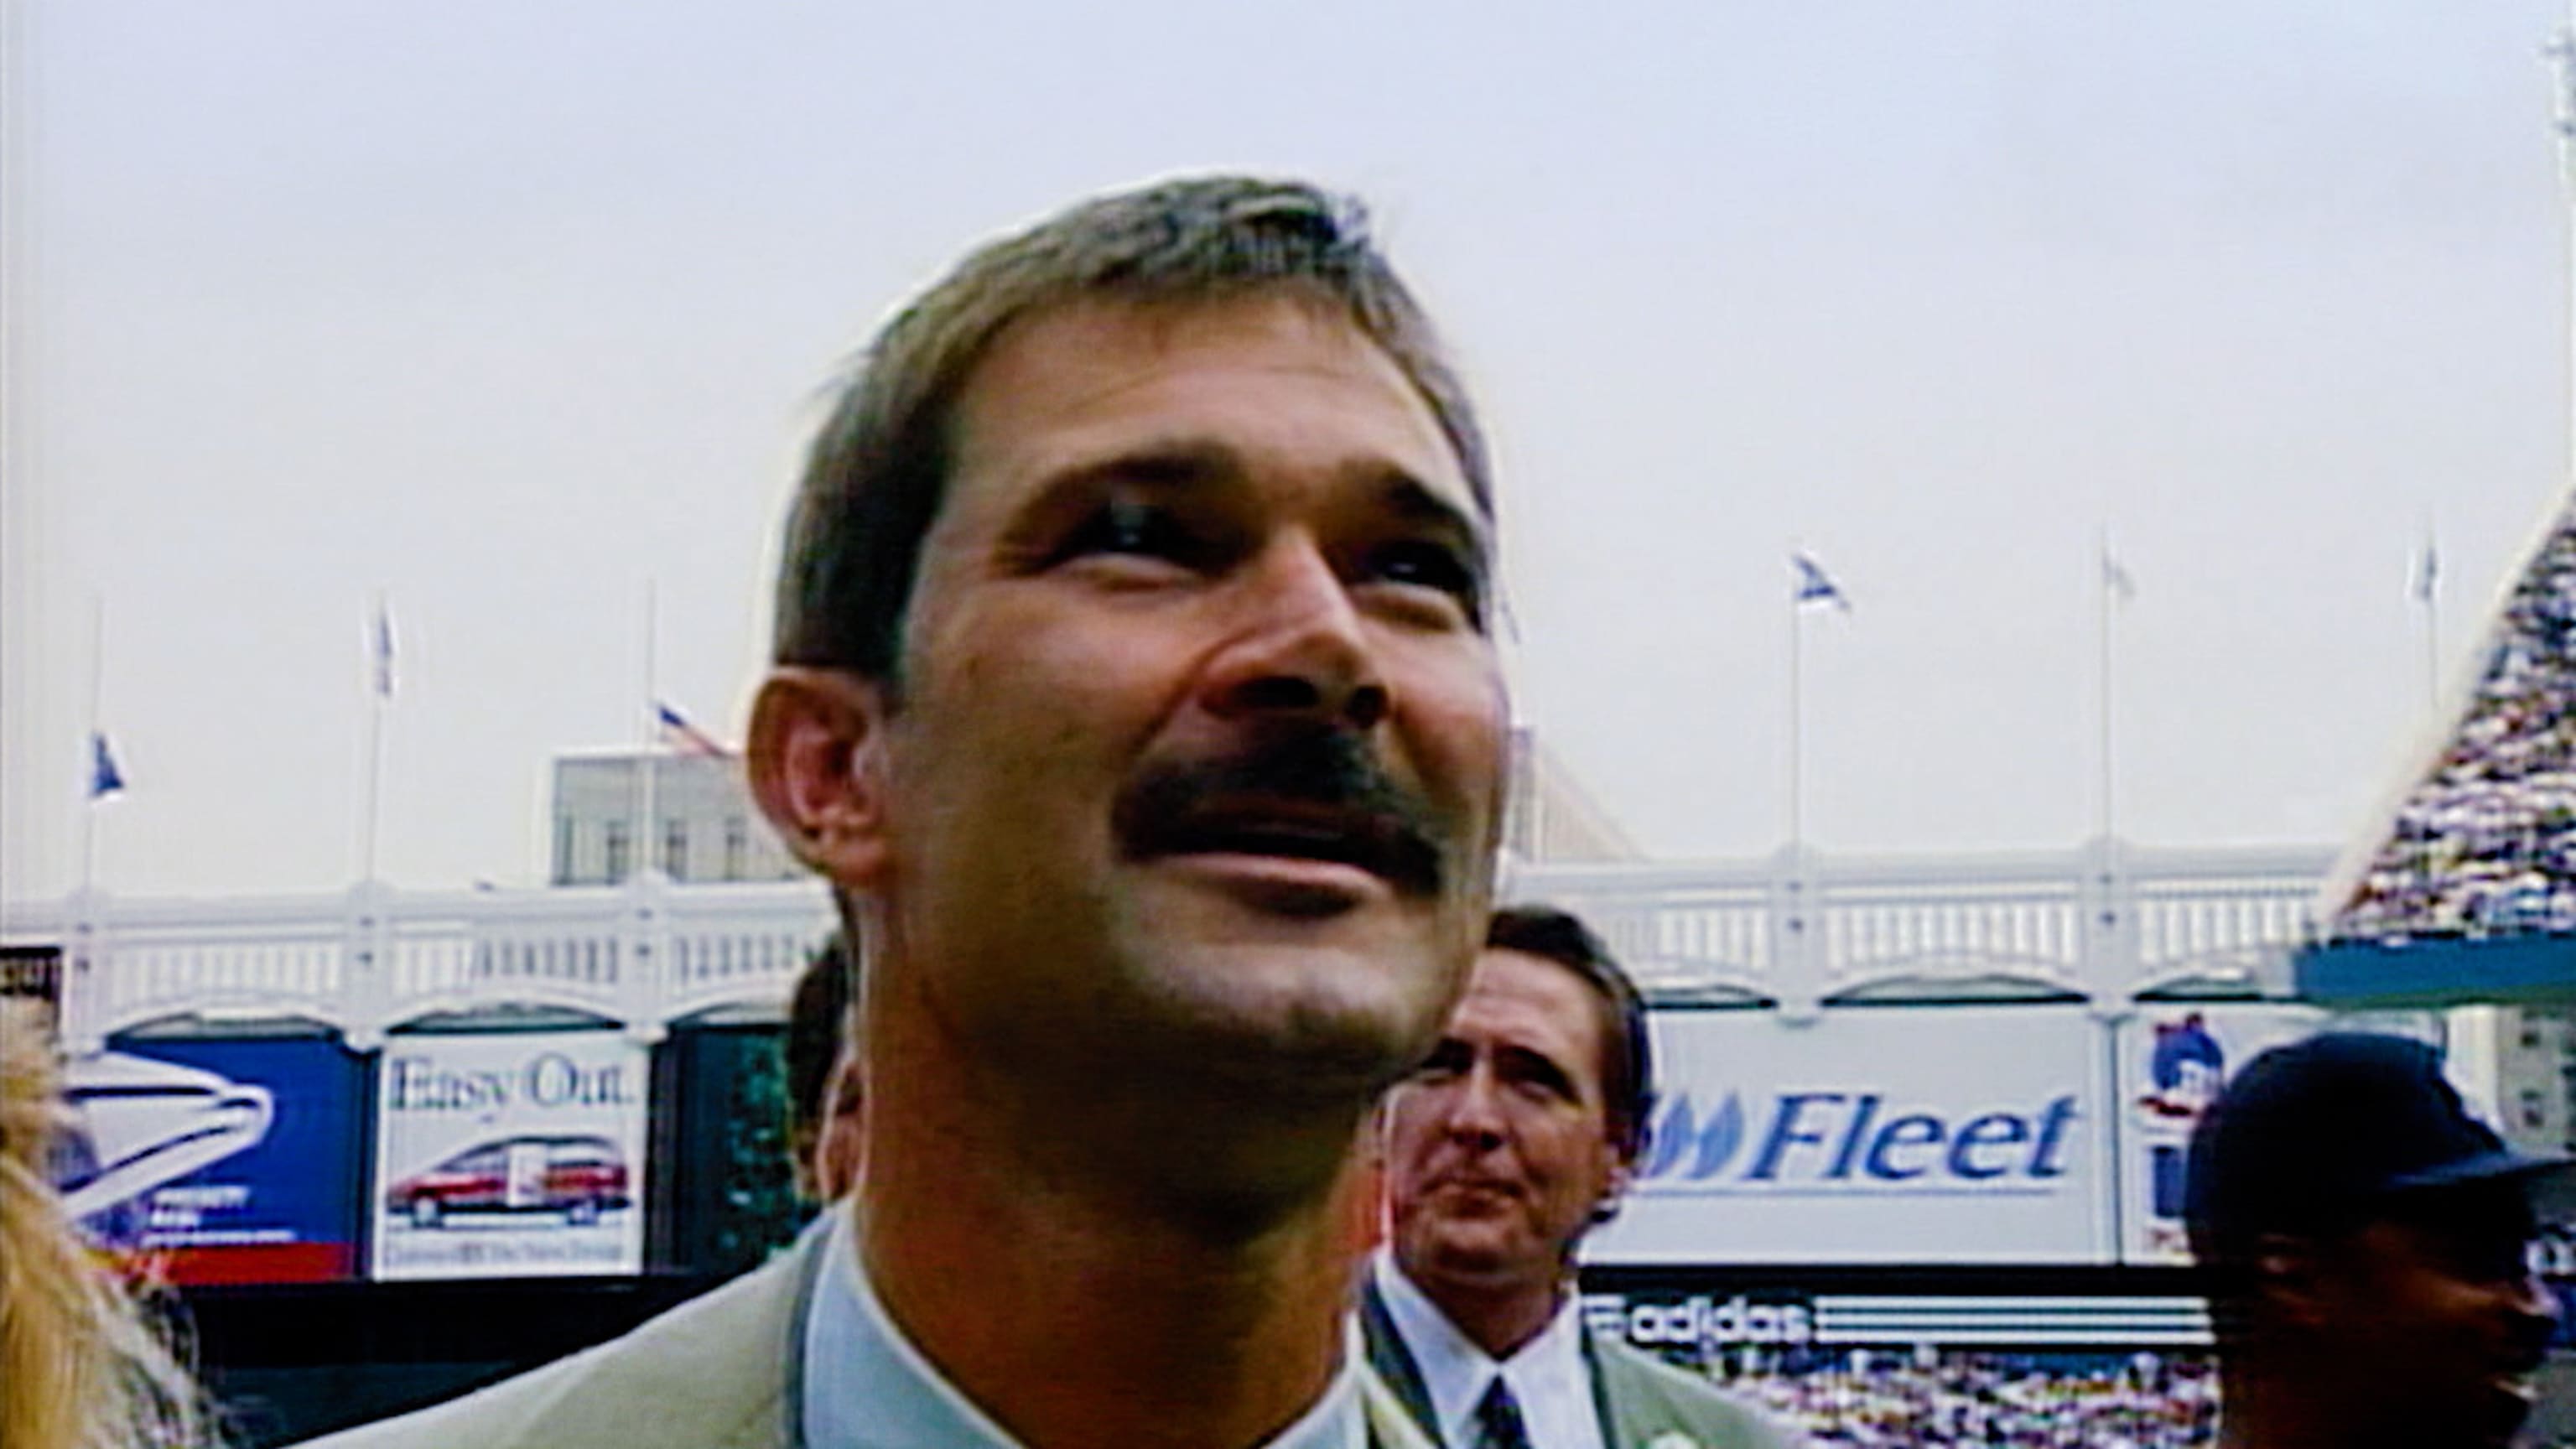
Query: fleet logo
{"type": "Point", "coordinates": [145, 1122]}
{"type": "Point", "coordinates": [1820, 1143]}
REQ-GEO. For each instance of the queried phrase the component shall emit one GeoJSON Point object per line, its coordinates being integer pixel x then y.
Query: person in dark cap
{"type": "Point", "coordinates": [2364, 1243]}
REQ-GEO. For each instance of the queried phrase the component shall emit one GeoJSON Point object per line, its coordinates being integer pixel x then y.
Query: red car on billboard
{"type": "Point", "coordinates": [579, 1177]}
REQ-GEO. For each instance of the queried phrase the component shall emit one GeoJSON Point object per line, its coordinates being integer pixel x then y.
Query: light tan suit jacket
{"type": "Point", "coordinates": [722, 1371]}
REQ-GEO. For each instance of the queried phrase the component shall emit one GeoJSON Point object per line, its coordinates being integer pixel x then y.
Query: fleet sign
{"type": "Point", "coordinates": [1873, 1135]}
{"type": "Point", "coordinates": [510, 1155]}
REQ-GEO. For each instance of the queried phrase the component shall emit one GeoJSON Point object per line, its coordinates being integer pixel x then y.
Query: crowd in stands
{"type": "Point", "coordinates": [2486, 843]}
{"type": "Point", "coordinates": [1955, 1400]}
{"type": "Point", "coordinates": [1964, 1399]}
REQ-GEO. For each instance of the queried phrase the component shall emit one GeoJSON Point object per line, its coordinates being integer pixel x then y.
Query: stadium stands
{"type": "Point", "coordinates": [2484, 843]}
{"type": "Point", "coordinates": [1961, 1399]}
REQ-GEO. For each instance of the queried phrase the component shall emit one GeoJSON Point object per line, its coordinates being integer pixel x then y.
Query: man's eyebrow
{"type": "Point", "coordinates": [1156, 463]}
{"type": "Point", "coordinates": [1446, 1052]}
{"type": "Point", "coordinates": [1415, 501]}
{"type": "Point", "coordinates": [1189, 462]}
{"type": "Point", "coordinates": [1539, 1066]}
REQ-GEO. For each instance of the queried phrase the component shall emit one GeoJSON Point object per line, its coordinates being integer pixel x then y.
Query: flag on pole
{"type": "Point", "coordinates": [104, 778]}
{"type": "Point", "coordinates": [1815, 586]}
{"type": "Point", "coordinates": [381, 652]}
{"type": "Point", "coordinates": [2428, 571]}
{"type": "Point", "coordinates": [679, 734]}
{"type": "Point", "coordinates": [2116, 578]}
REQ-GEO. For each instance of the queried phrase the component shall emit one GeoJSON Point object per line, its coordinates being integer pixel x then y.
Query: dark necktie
{"type": "Point", "coordinates": [1498, 1419]}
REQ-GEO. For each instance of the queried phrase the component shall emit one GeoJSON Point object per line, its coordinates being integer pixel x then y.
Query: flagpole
{"type": "Point", "coordinates": [379, 666]}
{"type": "Point", "coordinates": [645, 761]}
{"type": "Point", "coordinates": [1796, 708]}
{"type": "Point", "coordinates": [2428, 588]}
{"type": "Point", "coordinates": [2102, 674]}
{"type": "Point", "coordinates": [89, 793]}
{"type": "Point", "coordinates": [1797, 719]}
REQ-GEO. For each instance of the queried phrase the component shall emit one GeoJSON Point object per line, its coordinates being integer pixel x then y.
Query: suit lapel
{"type": "Point", "coordinates": [1613, 1398]}
{"type": "Point", "coordinates": [1393, 1362]}
{"type": "Point", "coordinates": [1391, 1425]}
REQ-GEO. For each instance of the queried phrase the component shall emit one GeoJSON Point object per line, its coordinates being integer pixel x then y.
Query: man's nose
{"type": "Point", "coordinates": [1476, 1110]}
{"type": "Point", "coordinates": [1302, 649]}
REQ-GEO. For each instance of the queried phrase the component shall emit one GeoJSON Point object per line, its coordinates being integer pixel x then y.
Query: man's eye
{"type": "Point", "coordinates": [1123, 526]}
{"type": "Point", "coordinates": [1544, 1087]}
{"type": "Point", "coordinates": [1423, 563]}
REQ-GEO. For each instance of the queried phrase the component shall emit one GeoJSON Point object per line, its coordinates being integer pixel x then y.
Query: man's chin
{"type": "Point", "coordinates": [1479, 1256]}
{"type": "Point", "coordinates": [1246, 1057]}
{"type": "Point", "coordinates": [1325, 1016]}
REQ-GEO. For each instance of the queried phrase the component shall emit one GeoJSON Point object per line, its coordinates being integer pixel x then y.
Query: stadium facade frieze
{"type": "Point", "coordinates": [1982, 1063]}
{"type": "Point", "coordinates": [2106, 924]}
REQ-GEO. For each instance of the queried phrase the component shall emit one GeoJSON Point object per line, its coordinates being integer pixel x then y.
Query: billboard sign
{"type": "Point", "coordinates": [35, 972]}
{"type": "Point", "coordinates": [510, 1155]}
{"type": "Point", "coordinates": [724, 1188]}
{"type": "Point", "coordinates": [1873, 1135]}
{"type": "Point", "coordinates": [2173, 1060]}
{"type": "Point", "coordinates": [227, 1160]}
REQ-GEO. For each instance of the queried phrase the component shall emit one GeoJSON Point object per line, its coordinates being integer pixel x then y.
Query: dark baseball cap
{"type": "Point", "coordinates": [2323, 1134]}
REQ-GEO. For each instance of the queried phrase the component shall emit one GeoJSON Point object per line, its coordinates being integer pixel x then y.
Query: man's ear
{"type": "Point", "coordinates": [816, 763]}
{"type": "Point", "coordinates": [2288, 1275]}
{"type": "Point", "coordinates": [1619, 1174]}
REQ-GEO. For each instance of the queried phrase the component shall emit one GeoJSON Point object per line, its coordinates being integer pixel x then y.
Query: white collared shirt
{"type": "Point", "coordinates": [866, 1386]}
{"type": "Point", "coordinates": [1549, 1375]}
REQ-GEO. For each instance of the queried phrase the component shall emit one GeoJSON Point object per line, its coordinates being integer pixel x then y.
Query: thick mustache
{"type": "Point", "coordinates": [1166, 809]}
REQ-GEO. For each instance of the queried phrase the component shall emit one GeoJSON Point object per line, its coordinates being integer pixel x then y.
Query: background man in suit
{"type": "Point", "coordinates": [2363, 1241]}
{"type": "Point", "coordinates": [824, 1084]}
{"type": "Point", "coordinates": [1133, 689]}
{"type": "Point", "coordinates": [1513, 1138]}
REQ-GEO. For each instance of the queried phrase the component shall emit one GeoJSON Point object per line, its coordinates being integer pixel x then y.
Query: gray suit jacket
{"type": "Point", "coordinates": [722, 1371]}
{"type": "Point", "coordinates": [1644, 1403]}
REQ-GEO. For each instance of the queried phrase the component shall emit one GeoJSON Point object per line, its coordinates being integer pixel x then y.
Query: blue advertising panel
{"type": "Point", "coordinates": [227, 1160]}
{"type": "Point", "coordinates": [1872, 1135]}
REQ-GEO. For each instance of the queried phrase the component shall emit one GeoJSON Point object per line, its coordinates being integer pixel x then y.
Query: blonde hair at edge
{"type": "Point", "coordinates": [80, 1368]}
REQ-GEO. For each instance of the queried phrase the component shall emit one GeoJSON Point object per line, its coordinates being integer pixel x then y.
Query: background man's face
{"type": "Point", "coordinates": [2437, 1318]}
{"type": "Point", "coordinates": [841, 1144]}
{"type": "Point", "coordinates": [1499, 1148]}
{"type": "Point", "coordinates": [1198, 758]}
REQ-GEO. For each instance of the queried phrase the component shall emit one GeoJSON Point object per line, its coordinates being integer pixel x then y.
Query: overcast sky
{"type": "Point", "coordinates": [507, 309]}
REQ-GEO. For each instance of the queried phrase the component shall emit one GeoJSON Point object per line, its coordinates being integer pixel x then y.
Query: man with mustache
{"type": "Point", "coordinates": [1134, 690]}
{"type": "Point", "coordinates": [2364, 1245]}
{"type": "Point", "coordinates": [1504, 1148]}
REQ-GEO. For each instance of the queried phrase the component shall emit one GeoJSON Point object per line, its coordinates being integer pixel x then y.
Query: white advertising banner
{"type": "Point", "coordinates": [512, 1155]}
{"type": "Point", "coordinates": [2173, 1060]}
{"type": "Point", "coordinates": [1949, 1134]}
